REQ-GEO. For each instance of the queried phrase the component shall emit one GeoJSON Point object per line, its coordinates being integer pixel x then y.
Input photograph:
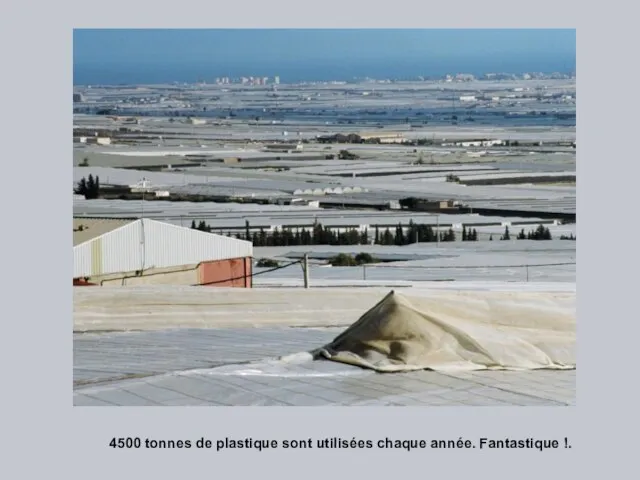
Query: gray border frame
{"type": "Point", "coordinates": [44, 434]}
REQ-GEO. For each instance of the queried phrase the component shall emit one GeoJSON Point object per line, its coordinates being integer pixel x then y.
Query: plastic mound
{"type": "Point", "coordinates": [454, 332]}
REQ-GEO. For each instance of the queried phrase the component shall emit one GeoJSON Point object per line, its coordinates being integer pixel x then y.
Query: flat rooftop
{"type": "Point", "coordinates": [203, 346]}
{"type": "Point", "coordinates": [85, 229]}
{"type": "Point", "coordinates": [227, 367]}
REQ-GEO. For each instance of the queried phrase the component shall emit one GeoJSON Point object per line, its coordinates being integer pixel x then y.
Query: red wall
{"type": "Point", "coordinates": [211, 273]}
{"type": "Point", "coordinates": [238, 269]}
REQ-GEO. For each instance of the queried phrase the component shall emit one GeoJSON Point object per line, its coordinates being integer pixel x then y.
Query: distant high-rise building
{"type": "Point", "coordinates": [276, 80]}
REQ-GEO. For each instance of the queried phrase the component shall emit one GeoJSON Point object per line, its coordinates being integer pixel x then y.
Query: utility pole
{"type": "Point", "coordinates": [438, 230]}
{"type": "Point", "coordinates": [142, 239]}
{"type": "Point", "coordinates": [305, 270]}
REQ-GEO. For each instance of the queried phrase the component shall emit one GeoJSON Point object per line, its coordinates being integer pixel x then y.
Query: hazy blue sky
{"type": "Point", "coordinates": [229, 51]}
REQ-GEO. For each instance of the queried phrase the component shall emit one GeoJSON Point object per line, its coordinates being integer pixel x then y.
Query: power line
{"type": "Point", "coordinates": [248, 276]}
{"type": "Point", "coordinates": [470, 266]}
{"type": "Point", "coordinates": [423, 267]}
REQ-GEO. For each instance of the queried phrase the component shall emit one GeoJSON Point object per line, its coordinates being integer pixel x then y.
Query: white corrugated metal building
{"type": "Point", "coordinates": [146, 251]}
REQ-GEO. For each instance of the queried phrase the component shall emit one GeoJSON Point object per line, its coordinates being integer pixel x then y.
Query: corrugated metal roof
{"type": "Point", "coordinates": [145, 244]}
{"type": "Point", "coordinates": [85, 229]}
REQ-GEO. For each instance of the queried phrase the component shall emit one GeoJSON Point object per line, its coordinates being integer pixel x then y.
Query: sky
{"type": "Point", "coordinates": [180, 52]}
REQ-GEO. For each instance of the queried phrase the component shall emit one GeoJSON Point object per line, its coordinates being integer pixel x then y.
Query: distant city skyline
{"type": "Point", "coordinates": [157, 55]}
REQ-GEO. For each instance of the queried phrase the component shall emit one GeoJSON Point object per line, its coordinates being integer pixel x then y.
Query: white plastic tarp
{"type": "Point", "coordinates": [461, 331]}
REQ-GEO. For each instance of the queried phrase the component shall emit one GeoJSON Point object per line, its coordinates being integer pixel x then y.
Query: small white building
{"type": "Point", "coordinates": [467, 98]}
{"type": "Point", "coordinates": [143, 185]}
{"type": "Point", "coordinates": [96, 140]}
{"type": "Point", "coordinates": [480, 143]}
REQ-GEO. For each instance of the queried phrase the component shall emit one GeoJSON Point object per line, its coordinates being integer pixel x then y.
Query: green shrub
{"type": "Point", "coordinates": [267, 263]}
{"type": "Point", "coordinates": [345, 260]}
{"type": "Point", "coordinates": [364, 258]}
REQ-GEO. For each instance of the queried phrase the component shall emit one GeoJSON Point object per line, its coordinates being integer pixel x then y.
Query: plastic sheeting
{"type": "Point", "coordinates": [453, 332]}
